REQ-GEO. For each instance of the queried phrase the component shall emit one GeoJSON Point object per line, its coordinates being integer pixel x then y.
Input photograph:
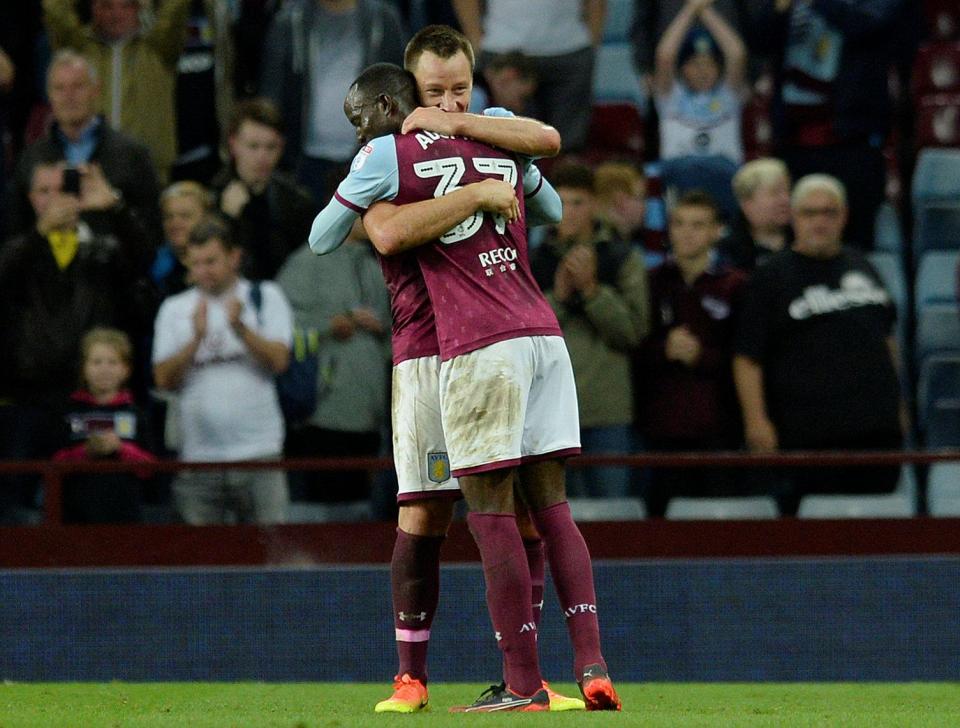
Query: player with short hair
{"type": "Point", "coordinates": [426, 491]}
{"type": "Point", "coordinates": [504, 343]}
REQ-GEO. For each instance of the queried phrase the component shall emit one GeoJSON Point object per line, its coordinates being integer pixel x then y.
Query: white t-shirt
{"type": "Point", "coordinates": [536, 27]}
{"type": "Point", "coordinates": [228, 402]}
{"type": "Point", "coordinates": [700, 124]}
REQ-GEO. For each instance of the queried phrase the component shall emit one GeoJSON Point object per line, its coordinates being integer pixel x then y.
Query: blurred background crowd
{"type": "Point", "coordinates": [758, 250]}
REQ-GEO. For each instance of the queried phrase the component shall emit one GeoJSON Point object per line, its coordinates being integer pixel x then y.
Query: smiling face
{"type": "Point", "coordinates": [444, 82]}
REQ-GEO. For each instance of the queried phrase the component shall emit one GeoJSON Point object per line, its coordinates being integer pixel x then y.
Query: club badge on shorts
{"type": "Point", "coordinates": [438, 467]}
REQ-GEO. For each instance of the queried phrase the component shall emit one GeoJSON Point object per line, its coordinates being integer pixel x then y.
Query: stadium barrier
{"type": "Point", "coordinates": [781, 599]}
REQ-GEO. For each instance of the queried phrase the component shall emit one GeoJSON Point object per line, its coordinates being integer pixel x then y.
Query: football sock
{"type": "Point", "coordinates": [415, 581]}
{"type": "Point", "coordinates": [572, 574]}
{"type": "Point", "coordinates": [535, 561]}
{"type": "Point", "coordinates": [508, 597]}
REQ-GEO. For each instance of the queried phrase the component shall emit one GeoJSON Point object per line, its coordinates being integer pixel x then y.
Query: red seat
{"type": "Point", "coordinates": [938, 120]}
{"type": "Point", "coordinates": [943, 19]}
{"type": "Point", "coordinates": [615, 130]}
{"type": "Point", "coordinates": [937, 68]}
{"type": "Point", "coordinates": [756, 129]}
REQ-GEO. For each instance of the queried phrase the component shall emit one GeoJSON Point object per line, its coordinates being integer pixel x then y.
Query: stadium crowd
{"type": "Point", "coordinates": [162, 161]}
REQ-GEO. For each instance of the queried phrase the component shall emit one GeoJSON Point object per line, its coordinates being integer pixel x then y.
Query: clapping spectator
{"type": "Point", "coordinates": [221, 351]}
{"type": "Point", "coordinates": [621, 191]}
{"type": "Point", "coordinates": [137, 61]}
{"type": "Point", "coordinates": [102, 422]}
{"type": "Point", "coordinates": [270, 214]}
{"type": "Point", "coordinates": [597, 285]}
{"type": "Point", "coordinates": [686, 398]}
{"type": "Point", "coordinates": [699, 88]}
{"type": "Point", "coordinates": [762, 189]}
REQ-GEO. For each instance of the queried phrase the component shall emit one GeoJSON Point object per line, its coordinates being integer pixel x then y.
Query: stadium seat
{"type": "Point", "coordinates": [889, 505]}
{"type": "Point", "coordinates": [942, 18]}
{"type": "Point", "coordinates": [616, 130]}
{"type": "Point", "coordinates": [938, 120]}
{"type": "Point", "coordinates": [936, 176]}
{"type": "Point", "coordinates": [890, 268]}
{"type": "Point", "coordinates": [615, 78]}
{"type": "Point", "coordinates": [607, 509]}
{"type": "Point", "coordinates": [725, 508]}
{"type": "Point", "coordinates": [936, 280]}
{"type": "Point", "coordinates": [943, 490]}
{"type": "Point", "coordinates": [888, 230]}
{"type": "Point", "coordinates": [619, 20]}
{"type": "Point", "coordinates": [938, 401]}
{"type": "Point", "coordinates": [936, 68]}
{"type": "Point", "coordinates": [301, 512]}
{"type": "Point", "coordinates": [937, 226]}
{"type": "Point", "coordinates": [938, 331]}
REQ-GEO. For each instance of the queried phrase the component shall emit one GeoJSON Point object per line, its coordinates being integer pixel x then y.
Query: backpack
{"type": "Point", "coordinates": [297, 386]}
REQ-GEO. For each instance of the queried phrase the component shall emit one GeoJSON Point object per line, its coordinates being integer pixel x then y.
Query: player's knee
{"type": "Point", "coordinates": [430, 517]}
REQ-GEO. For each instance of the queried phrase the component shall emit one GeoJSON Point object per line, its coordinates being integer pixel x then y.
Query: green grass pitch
{"type": "Point", "coordinates": [345, 705]}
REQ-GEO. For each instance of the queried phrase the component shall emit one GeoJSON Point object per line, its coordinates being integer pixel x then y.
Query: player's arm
{"type": "Point", "coordinates": [395, 229]}
{"type": "Point", "coordinates": [373, 177]}
{"type": "Point", "coordinates": [542, 203]}
{"type": "Point", "coordinates": [514, 133]}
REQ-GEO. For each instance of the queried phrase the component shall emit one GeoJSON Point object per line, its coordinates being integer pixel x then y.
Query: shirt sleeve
{"type": "Point", "coordinates": [373, 176]}
{"type": "Point", "coordinates": [277, 314]}
{"type": "Point", "coordinates": [754, 321]}
{"type": "Point", "coordinates": [165, 342]}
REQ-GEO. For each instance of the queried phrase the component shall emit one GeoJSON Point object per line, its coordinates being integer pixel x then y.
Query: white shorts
{"type": "Point", "coordinates": [419, 448]}
{"type": "Point", "coordinates": [509, 403]}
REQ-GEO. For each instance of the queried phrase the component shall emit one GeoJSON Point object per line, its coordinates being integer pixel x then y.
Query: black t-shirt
{"type": "Point", "coordinates": [819, 329]}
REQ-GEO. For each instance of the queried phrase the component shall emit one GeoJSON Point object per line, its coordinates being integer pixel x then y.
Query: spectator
{"type": "Point", "coordinates": [80, 136]}
{"type": "Point", "coordinates": [815, 362]}
{"type": "Point", "coordinates": [136, 60]}
{"type": "Point", "coordinates": [204, 90]}
{"type": "Point", "coordinates": [221, 355]}
{"type": "Point", "coordinates": [597, 286]}
{"type": "Point", "coordinates": [56, 281]}
{"type": "Point", "coordinates": [270, 214]}
{"type": "Point", "coordinates": [313, 51]}
{"type": "Point", "coordinates": [700, 107]}
{"type": "Point", "coordinates": [184, 205]}
{"type": "Point", "coordinates": [102, 422]}
{"type": "Point", "coordinates": [507, 81]}
{"type": "Point", "coordinates": [651, 18]}
{"type": "Point", "coordinates": [762, 189]}
{"type": "Point", "coordinates": [621, 192]}
{"type": "Point", "coordinates": [831, 105]}
{"type": "Point", "coordinates": [686, 399]}
{"type": "Point", "coordinates": [343, 297]}
{"type": "Point", "coordinates": [561, 36]}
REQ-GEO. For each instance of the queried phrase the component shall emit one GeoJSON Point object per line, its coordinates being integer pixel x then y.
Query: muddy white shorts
{"type": "Point", "coordinates": [419, 448]}
{"type": "Point", "coordinates": [511, 402]}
